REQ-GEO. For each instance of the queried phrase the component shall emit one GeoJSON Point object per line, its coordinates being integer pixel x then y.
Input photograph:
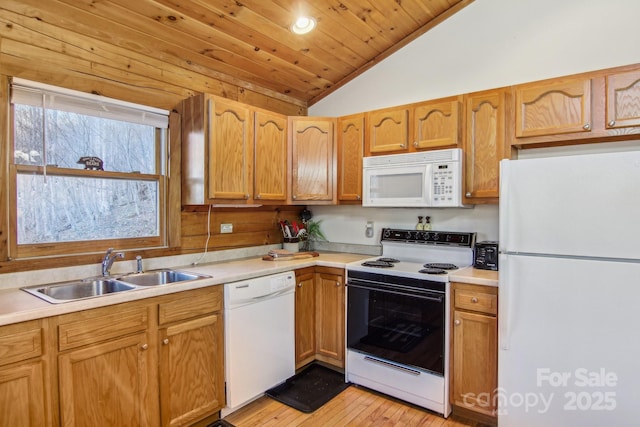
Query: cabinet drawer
{"type": "Point", "coordinates": [190, 304]}
{"type": "Point", "coordinates": [20, 342]}
{"type": "Point", "coordinates": [101, 324]}
{"type": "Point", "coordinates": [476, 298]}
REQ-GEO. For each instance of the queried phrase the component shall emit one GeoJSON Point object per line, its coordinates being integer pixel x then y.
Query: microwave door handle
{"type": "Point", "coordinates": [428, 184]}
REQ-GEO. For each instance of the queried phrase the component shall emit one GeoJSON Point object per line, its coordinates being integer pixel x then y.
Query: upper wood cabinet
{"type": "Point", "coordinates": [484, 145]}
{"type": "Point", "coordinates": [551, 108]}
{"type": "Point", "coordinates": [600, 106]}
{"type": "Point", "coordinates": [270, 158]}
{"type": "Point", "coordinates": [313, 160]}
{"type": "Point", "coordinates": [437, 124]}
{"type": "Point", "coordinates": [232, 153]}
{"type": "Point", "coordinates": [230, 149]}
{"type": "Point", "coordinates": [622, 99]}
{"type": "Point", "coordinates": [217, 150]}
{"type": "Point", "coordinates": [388, 131]}
{"type": "Point", "coordinates": [350, 137]}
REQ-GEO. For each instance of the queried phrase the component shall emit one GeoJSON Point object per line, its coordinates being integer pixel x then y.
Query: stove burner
{"type": "Point", "coordinates": [377, 264]}
{"type": "Point", "coordinates": [391, 260]}
{"type": "Point", "coordinates": [441, 266]}
{"type": "Point", "coordinates": [432, 271]}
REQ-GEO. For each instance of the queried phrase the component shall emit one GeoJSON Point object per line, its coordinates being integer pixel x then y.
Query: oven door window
{"type": "Point", "coordinates": [405, 328]}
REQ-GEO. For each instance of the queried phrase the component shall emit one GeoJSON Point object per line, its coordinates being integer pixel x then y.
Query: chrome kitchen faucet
{"type": "Point", "coordinates": [108, 260]}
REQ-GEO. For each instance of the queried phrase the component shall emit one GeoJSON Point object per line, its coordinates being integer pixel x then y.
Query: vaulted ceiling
{"type": "Point", "coordinates": [249, 43]}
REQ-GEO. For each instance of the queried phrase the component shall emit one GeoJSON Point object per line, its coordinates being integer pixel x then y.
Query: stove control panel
{"type": "Point", "coordinates": [444, 238]}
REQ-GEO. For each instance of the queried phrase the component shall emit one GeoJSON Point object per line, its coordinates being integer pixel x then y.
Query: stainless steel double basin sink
{"type": "Point", "coordinates": [94, 287]}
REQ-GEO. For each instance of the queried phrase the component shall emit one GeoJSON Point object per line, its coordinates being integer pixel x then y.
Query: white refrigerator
{"type": "Point", "coordinates": [569, 302]}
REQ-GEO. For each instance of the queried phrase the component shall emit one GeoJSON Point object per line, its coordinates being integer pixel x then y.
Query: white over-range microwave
{"type": "Point", "coordinates": [424, 179]}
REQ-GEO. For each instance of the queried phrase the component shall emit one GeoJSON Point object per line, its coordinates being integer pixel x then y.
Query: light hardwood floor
{"type": "Point", "coordinates": [356, 406]}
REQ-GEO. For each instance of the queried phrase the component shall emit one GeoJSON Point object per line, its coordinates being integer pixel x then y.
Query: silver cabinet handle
{"type": "Point", "coordinates": [144, 346]}
{"type": "Point", "coordinates": [337, 283]}
{"type": "Point", "coordinates": [358, 197]}
{"type": "Point", "coordinates": [415, 144]}
{"type": "Point", "coordinates": [457, 322]}
{"type": "Point", "coordinates": [246, 196]}
{"type": "Point", "coordinates": [403, 145]}
{"type": "Point", "coordinates": [586, 127]}
{"type": "Point", "coordinates": [294, 197]}
{"type": "Point", "coordinates": [259, 196]}
{"type": "Point", "coordinates": [165, 341]}
{"type": "Point", "coordinates": [300, 284]}
{"type": "Point", "coordinates": [474, 300]}
{"type": "Point", "coordinates": [468, 194]}
{"type": "Point", "coordinates": [611, 123]}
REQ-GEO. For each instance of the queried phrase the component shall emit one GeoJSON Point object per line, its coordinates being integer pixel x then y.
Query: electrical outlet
{"type": "Point", "coordinates": [226, 228]}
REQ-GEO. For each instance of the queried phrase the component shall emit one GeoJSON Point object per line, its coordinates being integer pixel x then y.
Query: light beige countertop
{"type": "Point", "coordinates": [18, 306]}
{"type": "Point", "coordinates": [475, 276]}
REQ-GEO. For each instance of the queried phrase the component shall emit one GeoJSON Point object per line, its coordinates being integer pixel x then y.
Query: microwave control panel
{"type": "Point", "coordinates": [445, 183]}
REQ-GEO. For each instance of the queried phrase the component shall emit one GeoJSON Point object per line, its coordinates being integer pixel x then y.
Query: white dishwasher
{"type": "Point", "coordinates": [259, 327]}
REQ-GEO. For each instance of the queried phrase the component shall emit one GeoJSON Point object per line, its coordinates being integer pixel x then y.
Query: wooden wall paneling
{"type": "Point", "coordinates": [174, 184]}
{"type": "Point", "coordinates": [251, 226]}
{"type": "Point", "coordinates": [84, 36]}
{"type": "Point", "coordinates": [201, 36]}
{"type": "Point", "coordinates": [4, 164]}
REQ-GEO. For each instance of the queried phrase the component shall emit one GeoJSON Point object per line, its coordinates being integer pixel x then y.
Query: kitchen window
{"type": "Point", "coordinates": [87, 172]}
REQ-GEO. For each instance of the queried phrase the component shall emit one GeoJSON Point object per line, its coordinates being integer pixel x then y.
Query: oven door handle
{"type": "Point", "coordinates": [429, 297]}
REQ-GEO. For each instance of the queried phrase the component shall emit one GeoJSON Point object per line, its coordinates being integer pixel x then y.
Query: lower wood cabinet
{"type": "Point", "coordinates": [152, 362]}
{"type": "Point", "coordinates": [23, 400]}
{"type": "Point", "coordinates": [474, 378]}
{"type": "Point", "coordinates": [305, 316]}
{"type": "Point", "coordinates": [191, 358]}
{"type": "Point", "coordinates": [320, 321]}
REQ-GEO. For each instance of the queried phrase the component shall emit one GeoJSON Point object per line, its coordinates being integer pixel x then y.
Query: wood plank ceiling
{"type": "Point", "coordinates": [248, 42]}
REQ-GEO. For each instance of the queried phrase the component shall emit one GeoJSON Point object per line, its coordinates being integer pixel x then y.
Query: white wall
{"type": "Point", "coordinates": [489, 44]}
{"type": "Point", "coordinates": [494, 43]}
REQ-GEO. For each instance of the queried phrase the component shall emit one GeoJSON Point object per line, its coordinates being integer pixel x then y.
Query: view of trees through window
{"type": "Point", "coordinates": [58, 207]}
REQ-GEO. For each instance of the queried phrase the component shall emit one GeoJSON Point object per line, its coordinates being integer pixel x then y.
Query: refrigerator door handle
{"type": "Point", "coordinates": [502, 207]}
{"type": "Point", "coordinates": [505, 304]}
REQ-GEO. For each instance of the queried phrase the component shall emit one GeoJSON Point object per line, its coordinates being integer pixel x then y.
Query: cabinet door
{"type": "Point", "coordinates": [350, 151]}
{"type": "Point", "coordinates": [436, 125]}
{"type": "Point", "coordinates": [305, 319]}
{"type": "Point", "coordinates": [22, 398]}
{"type": "Point", "coordinates": [484, 145]}
{"type": "Point", "coordinates": [475, 364]}
{"type": "Point", "coordinates": [388, 131]}
{"type": "Point", "coordinates": [270, 158]}
{"type": "Point", "coordinates": [623, 100]}
{"type": "Point", "coordinates": [108, 384]}
{"type": "Point", "coordinates": [191, 370]}
{"type": "Point", "coordinates": [230, 149]}
{"type": "Point", "coordinates": [558, 107]}
{"type": "Point", "coordinates": [330, 317]}
{"type": "Point", "coordinates": [312, 159]}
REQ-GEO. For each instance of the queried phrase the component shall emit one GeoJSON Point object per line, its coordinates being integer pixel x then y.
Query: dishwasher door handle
{"type": "Point", "coordinates": [272, 294]}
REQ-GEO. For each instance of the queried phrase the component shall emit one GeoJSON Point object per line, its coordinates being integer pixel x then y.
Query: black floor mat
{"type": "Point", "coordinates": [221, 423]}
{"type": "Point", "coordinates": [309, 389]}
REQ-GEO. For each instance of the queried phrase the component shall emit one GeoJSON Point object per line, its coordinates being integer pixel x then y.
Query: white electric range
{"type": "Point", "coordinates": [398, 315]}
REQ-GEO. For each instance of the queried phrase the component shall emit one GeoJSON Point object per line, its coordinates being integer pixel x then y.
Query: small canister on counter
{"type": "Point", "coordinates": [486, 255]}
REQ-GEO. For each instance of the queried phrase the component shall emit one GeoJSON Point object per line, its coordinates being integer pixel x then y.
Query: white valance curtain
{"type": "Point", "coordinates": [26, 92]}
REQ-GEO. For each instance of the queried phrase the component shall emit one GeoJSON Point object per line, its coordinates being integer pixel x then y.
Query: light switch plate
{"type": "Point", "coordinates": [226, 228]}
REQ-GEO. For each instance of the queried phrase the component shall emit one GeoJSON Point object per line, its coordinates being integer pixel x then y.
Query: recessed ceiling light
{"type": "Point", "coordinates": [303, 25]}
